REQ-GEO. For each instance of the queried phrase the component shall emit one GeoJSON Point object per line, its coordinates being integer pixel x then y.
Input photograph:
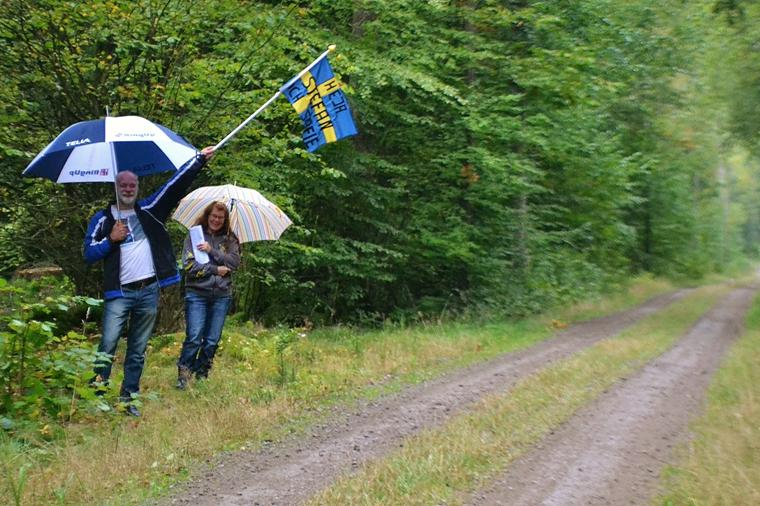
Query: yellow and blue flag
{"type": "Point", "coordinates": [322, 106]}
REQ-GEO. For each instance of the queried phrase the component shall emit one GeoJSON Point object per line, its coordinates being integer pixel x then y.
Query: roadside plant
{"type": "Point", "coordinates": [15, 480]}
{"type": "Point", "coordinates": [284, 339]}
{"type": "Point", "coordinates": [45, 361]}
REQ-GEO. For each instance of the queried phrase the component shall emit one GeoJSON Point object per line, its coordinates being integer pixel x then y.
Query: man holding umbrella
{"type": "Point", "coordinates": [131, 239]}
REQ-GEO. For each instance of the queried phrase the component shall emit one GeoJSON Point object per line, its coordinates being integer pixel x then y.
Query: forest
{"type": "Point", "coordinates": [516, 162]}
{"type": "Point", "coordinates": [511, 156]}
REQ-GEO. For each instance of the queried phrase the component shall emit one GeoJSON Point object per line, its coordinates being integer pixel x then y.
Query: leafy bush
{"type": "Point", "coordinates": [45, 365]}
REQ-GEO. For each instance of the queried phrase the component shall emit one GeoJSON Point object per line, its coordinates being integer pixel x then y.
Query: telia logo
{"type": "Point", "coordinates": [77, 142]}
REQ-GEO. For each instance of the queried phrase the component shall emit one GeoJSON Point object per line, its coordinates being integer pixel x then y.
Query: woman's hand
{"type": "Point", "coordinates": [222, 270]}
{"type": "Point", "coordinates": [204, 246]}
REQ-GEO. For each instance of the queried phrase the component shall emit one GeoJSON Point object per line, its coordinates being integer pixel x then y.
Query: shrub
{"type": "Point", "coordinates": [45, 365]}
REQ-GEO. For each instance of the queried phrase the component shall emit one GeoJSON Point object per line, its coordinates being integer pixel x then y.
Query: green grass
{"type": "Point", "coordinates": [266, 384]}
{"type": "Point", "coordinates": [437, 466]}
{"type": "Point", "coordinates": [721, 465]}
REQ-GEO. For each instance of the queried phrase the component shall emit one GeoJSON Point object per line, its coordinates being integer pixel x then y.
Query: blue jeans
{"type": "Point", "coordinates": [139, 307]}
{"type": "Point", "coordinates": [204, 319]}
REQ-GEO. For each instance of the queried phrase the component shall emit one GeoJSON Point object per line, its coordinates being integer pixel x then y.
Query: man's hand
{"type": "Point", "coordinates": [222, 270]}
{"type": "Point", "coordinates": [208, 152]}
{"type": "Point", "coordinates": [118, 232]}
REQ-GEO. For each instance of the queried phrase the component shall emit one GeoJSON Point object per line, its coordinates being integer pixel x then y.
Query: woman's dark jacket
{"type": "Point", "coordinates": [204, 279]}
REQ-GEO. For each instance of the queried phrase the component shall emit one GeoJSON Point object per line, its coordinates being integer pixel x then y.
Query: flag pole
{"type": "Point", "coordinates": [274, 97]}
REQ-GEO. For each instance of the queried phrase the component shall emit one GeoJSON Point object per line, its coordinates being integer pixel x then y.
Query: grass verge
{"type": "Point", "coordinates": [438, 465]}
{"type": "Point", "coordinates": [267, 384]}
{"type": "Point", "coordinates": [721, 465]}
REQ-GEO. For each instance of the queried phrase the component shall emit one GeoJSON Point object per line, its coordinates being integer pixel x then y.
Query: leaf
{"type": "Point", "coordinates": [17, 326]}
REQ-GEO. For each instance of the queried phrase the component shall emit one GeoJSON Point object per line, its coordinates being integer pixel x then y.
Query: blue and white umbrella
{"type": "Point", "coordinates": [96, 150]}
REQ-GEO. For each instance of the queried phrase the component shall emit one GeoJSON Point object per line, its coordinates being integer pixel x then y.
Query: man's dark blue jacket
{"type": "Point", "coordinates": [152, 213]}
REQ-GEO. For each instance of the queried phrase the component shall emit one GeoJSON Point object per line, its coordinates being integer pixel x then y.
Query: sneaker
{"type": "Point", "coordinates": [181, 383]}
{"type": "Point", "coordinates": [131, 410]}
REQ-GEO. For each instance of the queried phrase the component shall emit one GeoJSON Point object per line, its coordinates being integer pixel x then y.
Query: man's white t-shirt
{"type": "Point", "coordinates": [136, 257]}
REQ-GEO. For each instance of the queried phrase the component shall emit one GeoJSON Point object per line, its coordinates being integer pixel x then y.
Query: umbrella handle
{"type": "Point", "coordinates": [229, 220]}
{"type": "Point", "coordinates": [115, 188]}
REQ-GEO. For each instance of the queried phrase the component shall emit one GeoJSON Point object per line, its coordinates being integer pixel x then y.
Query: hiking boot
{"type": "Point", "coordinates": [183, 378]}
{"type": "Point", "coordinates": [131, 410]}
{"type": "Point", "coordinates": [99, 386]}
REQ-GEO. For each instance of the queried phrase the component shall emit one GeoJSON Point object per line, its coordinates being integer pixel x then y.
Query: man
{"type": "Point", "coordinates": [138, 259]}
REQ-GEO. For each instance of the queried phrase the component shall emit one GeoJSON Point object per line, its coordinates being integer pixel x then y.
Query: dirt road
{"type": "Point", "coordinates": [617, 444]}
{"type": "Point", "coordinates": [612, 452]}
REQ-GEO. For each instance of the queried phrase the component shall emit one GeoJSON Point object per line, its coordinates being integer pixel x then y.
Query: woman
{"type": "Point", "coordinates": [207, 291]}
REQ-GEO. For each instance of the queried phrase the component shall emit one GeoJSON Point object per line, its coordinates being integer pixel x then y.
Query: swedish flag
{"type": "Point", "coordinates": [323, 107]}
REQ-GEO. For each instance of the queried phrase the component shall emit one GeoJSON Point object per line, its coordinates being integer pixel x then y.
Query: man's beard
{"type": "Point", "coordinates": [127, 201]}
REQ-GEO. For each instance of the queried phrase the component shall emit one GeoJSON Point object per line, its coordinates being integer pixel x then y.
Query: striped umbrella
{"type": "Point", "coordinates": [252, 217]}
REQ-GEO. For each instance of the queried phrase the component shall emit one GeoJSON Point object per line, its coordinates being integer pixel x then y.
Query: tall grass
{"type": "Point", "coordinates": [267, 383]}
{"type": "Point", "coordinates": [721, 465]}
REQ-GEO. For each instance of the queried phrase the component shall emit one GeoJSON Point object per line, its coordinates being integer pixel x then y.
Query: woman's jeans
{"type": "Point", "coordinates": [139, 309]}
{"type": "Point", "coordinates": [204, 319]}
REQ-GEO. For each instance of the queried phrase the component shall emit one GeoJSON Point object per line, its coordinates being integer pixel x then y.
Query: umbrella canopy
{"type": "Point", "coordinates": [94, 151]}
{"type": "Point", "coordinates": [252, 217]}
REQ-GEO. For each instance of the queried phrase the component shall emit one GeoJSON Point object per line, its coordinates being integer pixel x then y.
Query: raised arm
{"type": "Point", "coordinates": [161, 203]}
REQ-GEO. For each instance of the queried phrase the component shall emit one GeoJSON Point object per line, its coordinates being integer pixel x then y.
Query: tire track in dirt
{"type": "Point", "coordinates": [612, 451]}
{"type": "Point", "coordinates": [292, 471]}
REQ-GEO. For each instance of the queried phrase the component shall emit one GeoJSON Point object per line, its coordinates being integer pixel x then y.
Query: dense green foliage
{"type": "Point", "coordinates": [45, 356]}
{"type": "Point", "coordinates": [512, 154]}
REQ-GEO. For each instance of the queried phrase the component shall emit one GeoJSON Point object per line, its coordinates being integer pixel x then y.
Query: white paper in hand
{"type": "Point", "coordinates": [196, 237]}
